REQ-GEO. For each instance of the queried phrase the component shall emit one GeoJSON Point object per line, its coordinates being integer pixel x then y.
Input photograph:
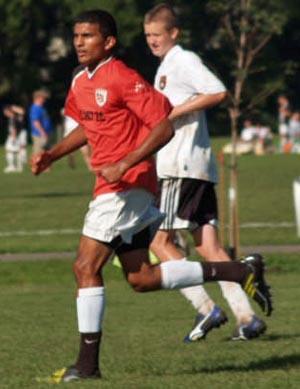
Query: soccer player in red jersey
{"type": "Point", "coordinates": [125, 121]}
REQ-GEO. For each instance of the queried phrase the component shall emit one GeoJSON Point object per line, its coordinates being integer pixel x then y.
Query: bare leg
{"type": "Point", "coordinates": [164, 248]}
{"type": "Point", "coordinates": [208, 246]}
{"type": "Point", "coordinates": [91, 257]}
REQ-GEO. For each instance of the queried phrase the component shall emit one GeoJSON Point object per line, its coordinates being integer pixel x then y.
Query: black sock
{"type": "Point", "coordinates": [224, 271]}
{"type": "Point", "coordinates": [88, 358]}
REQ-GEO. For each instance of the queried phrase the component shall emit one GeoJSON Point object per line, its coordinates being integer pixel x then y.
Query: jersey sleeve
{"type": "Point", "coordinates": [149, 105]}
{"type": "Point", "coordinates": [197, 75]}
{"type": "Point", "coordinates": [70, 110]}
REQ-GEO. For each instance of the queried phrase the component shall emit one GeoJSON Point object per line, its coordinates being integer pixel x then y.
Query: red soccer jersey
{"type": "Point", "coordinates": [117, 108]}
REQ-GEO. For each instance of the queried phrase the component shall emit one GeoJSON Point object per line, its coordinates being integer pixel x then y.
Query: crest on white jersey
{"type": "Point", "coordinates": [162, 82]}
{"type": "Point", "coordinates": [101, 96]}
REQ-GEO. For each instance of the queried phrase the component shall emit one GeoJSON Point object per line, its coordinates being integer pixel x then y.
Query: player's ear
{"type": "Point", "coordinates": [110, 42]}
{"type": "Point", "coordinates": [174, 32]}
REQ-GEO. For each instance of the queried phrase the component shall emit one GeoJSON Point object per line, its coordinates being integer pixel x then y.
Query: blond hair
{"type": "Point", "coordinates": [162, 13]}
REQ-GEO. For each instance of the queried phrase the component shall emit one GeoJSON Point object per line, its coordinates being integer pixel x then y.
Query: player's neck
{"type": "Point", "coordinates": [91, 67]}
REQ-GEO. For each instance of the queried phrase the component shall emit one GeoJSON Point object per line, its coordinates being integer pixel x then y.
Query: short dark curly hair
{"type": "Point", "coordinates": [106, 22]}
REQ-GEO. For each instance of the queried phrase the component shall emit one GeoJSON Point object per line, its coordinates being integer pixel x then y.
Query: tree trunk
{"type": "Point", "coordinates": [234, 243]}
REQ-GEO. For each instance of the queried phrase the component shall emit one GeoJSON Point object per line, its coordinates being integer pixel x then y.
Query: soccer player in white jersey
{"type": "Point", "coordinates": [187, 172]}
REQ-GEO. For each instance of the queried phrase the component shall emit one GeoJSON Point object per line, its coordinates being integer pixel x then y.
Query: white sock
{"type": "Point", "coordinates": [10, 159]}
{"type": "Point", "coordinates": [237, 301]}
{"type": "Point", "coordinates": [178, 274]}
{"type": "Point", "coordinates": [22, 156]}
{"type": "Point", "coordinates": [20, 162]}
{"type": "Point", "coordinates": [90, 309]}
{"type": "Point", "coordinates": [199, 298]}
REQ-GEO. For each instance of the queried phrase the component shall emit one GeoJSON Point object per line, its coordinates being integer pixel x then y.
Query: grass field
{"type": "Point", "coordinates": [57, 201]}
{"type": "Point", "coordinates": [142, 346]}
{"type": "Point", "coordinates": [143, 333]}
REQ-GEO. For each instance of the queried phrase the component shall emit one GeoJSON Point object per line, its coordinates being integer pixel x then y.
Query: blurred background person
{"type": "Point", "coordinates": [16, 142]}
{"type": "Point", "coordinates": [246, 142]}
{"type": "Point", "coordinates": [40, 122]}
{"type": "Point", "coordinates": [264, 141]}
{"type": "Point", "coordinates": [294, 131]}
{"type": "Point", "coordinates": [284, 113]}
{"type": "Point", "coordinates": [249, 131]}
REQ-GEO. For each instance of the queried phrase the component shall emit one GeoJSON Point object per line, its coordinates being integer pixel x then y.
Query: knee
{"type": "Point", "coordinates": [160, 240]}
{"type": "Point", "coordinates": [83, 269]}
{"type": "Point", "coordinates": [143, 281]}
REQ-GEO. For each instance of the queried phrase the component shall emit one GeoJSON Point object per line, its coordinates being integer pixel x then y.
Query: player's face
{"type": "Point", "coordinates": [90, 45]}
{"type": "Point", "coordinates": [159, 39]}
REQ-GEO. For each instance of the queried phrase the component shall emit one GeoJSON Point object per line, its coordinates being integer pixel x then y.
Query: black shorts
{"type": "Point", "coordinates": [187, 202]}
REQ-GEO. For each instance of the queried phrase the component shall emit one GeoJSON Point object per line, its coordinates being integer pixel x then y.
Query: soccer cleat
{"type": "Point", "coordinates": [205, 323]}
{"type": "Point", "coordinates": [254, 329]}
{"type": "Point", "coordinates": [68, 374]}
{"type": "Point", "coordinates": [255, 285]}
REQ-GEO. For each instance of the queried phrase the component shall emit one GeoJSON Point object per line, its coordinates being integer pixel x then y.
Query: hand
{"type": "Point", "coordinates": [40, 162]}
{"type": "Point", "coordinates": [112, 172]}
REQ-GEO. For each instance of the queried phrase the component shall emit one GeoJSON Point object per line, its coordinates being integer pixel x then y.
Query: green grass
{"type": "Point", "coordinates": [53, 201]}
{"type": "Point", "coordinates": [58, 200]}
{"type": "Point", "coordinates": [142, 346]}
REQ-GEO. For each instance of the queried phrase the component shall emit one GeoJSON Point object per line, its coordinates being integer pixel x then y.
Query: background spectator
{"type": "Point", "coordinates": [294, 131]}
{"type": "Point", "coordinates": [264, 139]}
{"type": "Point", "coordinates": [249, 131]}
{"type": "Point", "coordinates": [284, 112]}
{"type": "Point", "coordinates": [40, 122]}
{"type": "Point", "coordinates": [16, 142]}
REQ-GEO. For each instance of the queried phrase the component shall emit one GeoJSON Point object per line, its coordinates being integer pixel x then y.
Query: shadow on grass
{"type": "Point", "coordinates": [275, 337]}
{"type": "Point", "coordinates": [273, 363]}
{"type": "Point", "coordinates": [268, 338]}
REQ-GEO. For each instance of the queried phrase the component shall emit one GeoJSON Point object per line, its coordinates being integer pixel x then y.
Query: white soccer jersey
{"type": "Point", "coordinates": [181, 76]}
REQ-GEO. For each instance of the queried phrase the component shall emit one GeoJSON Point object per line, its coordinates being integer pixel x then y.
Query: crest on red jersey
{"type": "Point", "coordinates": [162, 82]}
{"type": "Point", "coordinates": [101, 96]}
{"type": "Point", "coordinates": [139, 87]}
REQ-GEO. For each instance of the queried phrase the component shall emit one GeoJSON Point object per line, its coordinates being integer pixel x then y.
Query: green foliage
{"type": "Point", "coordinates": [28, 28]}
{"type": "Point", "coordinates": [259, 21]}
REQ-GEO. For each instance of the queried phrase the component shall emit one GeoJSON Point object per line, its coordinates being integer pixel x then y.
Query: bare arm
{"type": "Point", "coordinates": [199, 103]}
{"type": "Point", "coordinates": [17, 109]}
{"type": "Point", "coordinates": [157, 138]}
{"type": "Point", "coordinates": [70, 143]}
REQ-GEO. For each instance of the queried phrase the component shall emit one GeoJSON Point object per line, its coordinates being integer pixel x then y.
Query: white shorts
{"type": "Point", "coordinates": [121, 214]}
{"type": "Point", "coordinates": [283, 129]}
{"type": "Point", "coordinates": [22, 138]}
{"type": "Point", "coordinates": [13, 145]}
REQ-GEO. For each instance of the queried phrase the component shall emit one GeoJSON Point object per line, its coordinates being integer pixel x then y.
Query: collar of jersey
{"type": "Point", "coordinates": [171, 53]}
{"type": "Point", "coordinates": [90, 74]}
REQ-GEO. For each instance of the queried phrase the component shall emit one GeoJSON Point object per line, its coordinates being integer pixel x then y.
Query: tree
{"type": "Point", "coordinates": [245, 29]}
{"type": "Point", "coordinates": [36, 47]}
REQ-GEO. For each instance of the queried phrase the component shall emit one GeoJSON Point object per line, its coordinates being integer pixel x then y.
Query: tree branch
{"type": "Point", "coordinates": [228, 27]}
{"type": "Point", "coordinates": [261, 45]}
{"type": "Point", "coordinates": [260, 97]}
